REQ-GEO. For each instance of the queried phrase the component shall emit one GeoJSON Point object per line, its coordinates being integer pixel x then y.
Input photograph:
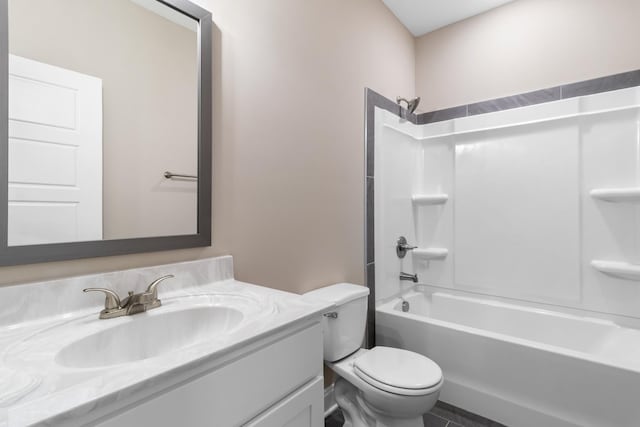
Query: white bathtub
{"type": "Point", "coordinates": [518, 365]}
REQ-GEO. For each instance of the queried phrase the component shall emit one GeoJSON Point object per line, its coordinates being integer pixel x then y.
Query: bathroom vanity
{"type": "Point", "coordinates": [218, 352]}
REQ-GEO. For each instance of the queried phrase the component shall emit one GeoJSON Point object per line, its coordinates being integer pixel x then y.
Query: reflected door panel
{"type": "Point", "coordinates": [55, 154]}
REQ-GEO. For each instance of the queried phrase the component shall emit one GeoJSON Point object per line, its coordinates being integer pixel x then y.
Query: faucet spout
{"type": "Point", "coordinates": [409, 277]}
{"type": "Point", "coordinates": [133, 303]}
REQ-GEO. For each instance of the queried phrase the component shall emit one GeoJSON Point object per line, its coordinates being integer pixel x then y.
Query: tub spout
{"type": "Point", "coordinates": [407, 276]}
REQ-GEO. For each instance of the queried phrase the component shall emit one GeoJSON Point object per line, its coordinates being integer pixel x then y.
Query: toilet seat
{"type": "Point", "coordinates": [398, 371]}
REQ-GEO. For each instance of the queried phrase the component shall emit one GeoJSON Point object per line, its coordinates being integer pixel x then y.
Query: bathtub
{"type": "Point", "coordinates": [518, 365]}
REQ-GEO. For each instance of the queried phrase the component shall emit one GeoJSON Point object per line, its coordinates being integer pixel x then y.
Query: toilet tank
{"type": "Point", "coordinates": [343, 326]}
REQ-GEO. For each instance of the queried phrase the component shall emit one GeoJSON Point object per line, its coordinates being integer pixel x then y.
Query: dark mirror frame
{"type": "Point", "coordinates": [15, 255]}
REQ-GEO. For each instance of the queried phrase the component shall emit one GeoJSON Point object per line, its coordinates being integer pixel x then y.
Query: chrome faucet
{"type": "Point", "coordinates": [402, 247]}
{"type": "Point", "coordinates": [133, 303]}
{"type": "Point", "coordinates": [407, 276]}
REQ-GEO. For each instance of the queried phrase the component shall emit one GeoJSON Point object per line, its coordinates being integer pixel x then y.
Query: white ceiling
{"type": "Point", "coordinates": [423, 16]}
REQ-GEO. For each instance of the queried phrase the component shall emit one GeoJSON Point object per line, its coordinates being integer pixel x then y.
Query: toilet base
{"type": "Point", "coordinates": [358, 414]}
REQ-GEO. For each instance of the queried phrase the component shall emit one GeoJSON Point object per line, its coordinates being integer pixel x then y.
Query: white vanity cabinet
{"type": "Point", "coordinates": [272, 382]}
{"type": "Point", "coordinates": [216, 353]}
{"type": "Point", "coordinates": [303, 408]}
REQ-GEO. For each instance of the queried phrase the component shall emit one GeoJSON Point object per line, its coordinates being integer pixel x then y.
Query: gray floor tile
{"type": "Point", "coordinates": [334, 420]}
{"type": "Point", "coordinates": [442, 415]}
{"type": "Point", "coordinates": [432, 420]}
{"type": "Point", "coordinates": [462, 417]}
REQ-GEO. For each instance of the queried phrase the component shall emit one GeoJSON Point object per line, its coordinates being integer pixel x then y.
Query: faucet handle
{"type": "Point", "coordinates": [111, 301]}
{"type": "Point", "coordinates": [402, 247]}
{"type": "Point", "coordinates": [152, 287]}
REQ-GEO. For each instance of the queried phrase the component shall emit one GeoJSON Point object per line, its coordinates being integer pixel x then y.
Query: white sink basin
{"type": "Point", "coordinates": [148, 335]}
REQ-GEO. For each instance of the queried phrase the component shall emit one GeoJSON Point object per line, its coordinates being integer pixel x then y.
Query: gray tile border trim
{"type": "Point", "coordinates": [583, 88]}
{"type": "Point", "coordinates": [369, 133]}
{"type": "Point", "coordinates": [602, 84]}
{"type": "Point", "coordinates": [442, 115]}
{"type": "Point", "coordinates": [370, 221]}
{"type": "Point", "coordinates": [370, 280]}
{"type": "Point", "coordinates": [516, 101]}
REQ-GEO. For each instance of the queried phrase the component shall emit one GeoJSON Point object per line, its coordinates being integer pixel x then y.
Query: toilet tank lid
{"type": "Point", "coordinates": [339, 293]}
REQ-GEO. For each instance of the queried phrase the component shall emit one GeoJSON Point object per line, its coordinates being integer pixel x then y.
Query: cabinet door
{"type": "Point", "coordinates": [303, 408]}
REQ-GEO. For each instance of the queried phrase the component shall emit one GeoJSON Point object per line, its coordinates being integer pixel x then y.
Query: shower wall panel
{"type": "Point", "coordinates": [501, 204]}
{"type": "Point", "coordinates": [516, 211]}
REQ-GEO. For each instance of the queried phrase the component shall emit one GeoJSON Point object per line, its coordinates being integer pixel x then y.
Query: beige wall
{"type": "Point", "coordinates": [524, 46]}
{"type": "Point", "coordinates": [148, 67]}
{"type": "Point", "coordinates": [288, 140]}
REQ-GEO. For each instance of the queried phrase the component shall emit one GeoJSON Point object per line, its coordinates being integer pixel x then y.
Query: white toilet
{"type": "Point", "coordinates": [380, 387]}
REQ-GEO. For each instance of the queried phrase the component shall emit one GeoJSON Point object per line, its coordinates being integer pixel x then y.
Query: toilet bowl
{"type": "Point", "coordinates": [388, 392]}
{"type": "Point", "coordinates": [378, 387]}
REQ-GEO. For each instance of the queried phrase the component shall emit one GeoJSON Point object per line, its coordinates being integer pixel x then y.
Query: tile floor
{"type": "Point", "coordinates": [443, 415]}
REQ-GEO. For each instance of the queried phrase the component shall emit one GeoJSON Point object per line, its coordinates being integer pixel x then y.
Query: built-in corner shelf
{"type": "Point", "coordinates": [429, 199]}
{"type": "Point", "coordinates": [430, 253]}
{"type": "Point", "coordinates": [617, 195]}
{"type": "Point", "coordinates": [623, 270]}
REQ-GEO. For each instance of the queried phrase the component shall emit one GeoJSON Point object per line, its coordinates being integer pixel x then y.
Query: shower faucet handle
{"type": "Point", "coordinates": [402, 247]}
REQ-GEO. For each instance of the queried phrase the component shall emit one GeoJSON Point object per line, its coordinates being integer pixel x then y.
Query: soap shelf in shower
{"type": "Point", "coordinates": [430, 253]}
{"type": "Point", "coordinates": [623, 270]}
{"type": "Point", "coordinates": [617, 195]}
{"type": "Point", "coordinates": [429, 199]}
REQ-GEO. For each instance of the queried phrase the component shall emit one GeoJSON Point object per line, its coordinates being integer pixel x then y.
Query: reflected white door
{"type": "Point", "coordinates": [55, 154]}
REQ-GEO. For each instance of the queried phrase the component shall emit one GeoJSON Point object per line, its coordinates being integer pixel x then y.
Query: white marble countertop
{"type": "Point", "coordinates": [37, 389]}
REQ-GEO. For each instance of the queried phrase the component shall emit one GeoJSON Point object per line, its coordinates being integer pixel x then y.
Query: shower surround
{"type": "Point", "coordinates": [536, 209]}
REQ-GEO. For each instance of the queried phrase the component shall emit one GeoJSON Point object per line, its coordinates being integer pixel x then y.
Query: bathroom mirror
{"type": "Point", "coordinates": [106, 129]}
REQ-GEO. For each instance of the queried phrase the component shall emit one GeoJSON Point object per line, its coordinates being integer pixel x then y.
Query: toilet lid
{"type": "Point", "coordinates": [398, 369]}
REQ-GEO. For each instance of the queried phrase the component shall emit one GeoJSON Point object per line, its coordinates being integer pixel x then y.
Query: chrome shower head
{"type": "Point", "coordinates": [412, 104]}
